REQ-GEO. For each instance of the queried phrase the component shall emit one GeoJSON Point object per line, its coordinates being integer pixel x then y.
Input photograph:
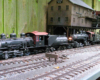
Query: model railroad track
{"type": "Point", "coordinates": [12, 60]}
{"type": "Point", "coordinates": [23, 68]}
{"type": "Point", "coordinates": [24, 59]}
{"type": "Point", "coordinates": [37, 57]}
{"type": "Point", "coordinates": [69, 71]}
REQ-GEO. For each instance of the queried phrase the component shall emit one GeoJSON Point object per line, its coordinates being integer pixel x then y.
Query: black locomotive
{"type": "Point", "coordinates": [34, 42]}
{"type": "Point", "coordinates": [83, 38]}
{"type": "Point", "coordinates": [29, 43]}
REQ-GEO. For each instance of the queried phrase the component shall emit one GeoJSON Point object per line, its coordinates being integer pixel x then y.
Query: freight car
{"type": "Point", "coordinates": [83, 38]}
{"type": "Point", "coordinates": [30, 43]}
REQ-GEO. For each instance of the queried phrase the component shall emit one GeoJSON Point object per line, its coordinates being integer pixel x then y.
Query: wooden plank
{"type": "Point", "coordinates": [93, 3]}
{"type": "Point", "coordinates": [1, 16]}
{"type": "Point", "coordinates": [23, 15]}
{"type": "Point", "coordinates": [9, 16]}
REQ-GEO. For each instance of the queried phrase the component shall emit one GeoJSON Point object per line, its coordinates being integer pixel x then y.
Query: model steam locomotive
{"type": "Point", "coordinates": [34, 42]}
{"type": "Point", "coordinates": [29, 43]}
{"type": "Point", "coordinates": [83, 38]}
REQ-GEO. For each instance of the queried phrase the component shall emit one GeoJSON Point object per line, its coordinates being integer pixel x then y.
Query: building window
{"type": "Point", "coordinates": [59, 7]}
{"type": "Point", "coordinates": [74, 7]}
{"type": "Point", "coordinates": [67, 7]}
{"type": "Point", "coordinates": [66, 18]}
{"type": "Point", "coordinates": [51, 8]}
{"type": "Point", "coordinates": [85, 21]}
{"type": "Point", "coordinates": [73, 19]}
{"type": "Point", "coordinates": [83, 10]}
{"type": "Point", "coordinates": [82, 20]}
{"type": "Point", "coordinates": [79, 9]}
{"type": "Point", "coordinates": [51, 19]}
{"type": "Point", "coordinates": [59, 1]}
{"type": "Point", "coordinates": [58, 19]}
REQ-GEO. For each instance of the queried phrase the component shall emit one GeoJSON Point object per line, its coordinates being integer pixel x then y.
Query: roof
{"type": "Point", "coordinates": [78, 2]}
{"type": "Point", "coordinates": [90, 32]}
{"type": "Point", "coordinates": [38, 33]}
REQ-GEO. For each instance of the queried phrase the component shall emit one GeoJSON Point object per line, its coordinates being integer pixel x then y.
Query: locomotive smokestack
{"type": "Point", "coordinates": [22, 35]}
{"type": "Point", "coordinates": [3, 36]}
{"type": "Point", "coordinates": [13, 35]}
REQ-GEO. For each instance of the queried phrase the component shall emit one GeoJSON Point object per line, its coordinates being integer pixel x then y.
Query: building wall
{"type": "Point", "coordinates": [59, 13]}
{"type": "Point", "coordinates": [22, 16]}
{"type": "Point", "coordinates": [74, 18]}
{"type": "Point", "coordinates": [79, 13]}
{"type": "Point", "coordinates": [96, 7]}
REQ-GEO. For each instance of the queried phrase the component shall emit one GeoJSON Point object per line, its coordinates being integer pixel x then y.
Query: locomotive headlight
{"type": "Point", "coordinates": [70, 38]}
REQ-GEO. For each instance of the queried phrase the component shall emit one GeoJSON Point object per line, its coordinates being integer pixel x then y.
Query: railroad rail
{"type": "Point", "coordinates": [70, 70]}
{"type": "Point", "coordinates": [26, 59]}
{"type": "Point", "coordinates": [23, 68]}
{"type": "Point", "coordinates": [39, 61]}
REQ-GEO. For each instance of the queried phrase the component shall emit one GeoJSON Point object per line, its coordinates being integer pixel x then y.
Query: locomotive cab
{"type": "Point", "coordinates": [40, 38]}
{"type": "Point", "coordinates": [91, 35]}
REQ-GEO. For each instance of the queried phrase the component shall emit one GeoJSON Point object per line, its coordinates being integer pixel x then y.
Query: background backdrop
{"type": "Point", "coordinates": [22, 15]}
{"type": "Point", "coordinates": [27, 15]}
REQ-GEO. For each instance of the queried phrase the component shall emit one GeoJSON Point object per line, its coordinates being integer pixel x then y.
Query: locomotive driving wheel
{"type": "Point", "coordinates": [47, 50]}
{"type": "Point", "coordinates": [26, 52]}
{"type": "Point", "coordinates": [52, 49]}
{"type": "Point", "coordinates": [21, 54]}
{"type": "Point", "coordinates": [6, 55]}
{"type": "Point", "coordinates": [88, 43]}
{"type": "Point", "coordinates": [81, 44]}
{"type": "Point", "coordinates": [85, 43]}
{"type": "Point", "coordinates": [76, 44]}
{"type": "Point", "coordinates": [69, 47]}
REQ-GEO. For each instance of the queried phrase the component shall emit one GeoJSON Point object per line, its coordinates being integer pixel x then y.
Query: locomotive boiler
{"type": "Point", "coordinates": [14, 46]}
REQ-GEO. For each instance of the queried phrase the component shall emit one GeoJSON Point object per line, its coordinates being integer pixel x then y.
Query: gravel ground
{"type": "Point", "coordinates": [74, 55]}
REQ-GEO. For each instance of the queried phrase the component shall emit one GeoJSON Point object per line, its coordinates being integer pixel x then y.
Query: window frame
{"type": "Point", "coordinates": [66, 19]}
{"type": "Point", "coordinates": [59, 7]}
{"type": "Point", "coordinates": [51, 19]}
{"type": "Point", "coordinates": [67, 7]}
{"type": "Point", "coordinates": [51, 8]}
{"type": "Point", "coordinates": [74, 20]}
{"type": "Point", "coordinates": [59, 19]}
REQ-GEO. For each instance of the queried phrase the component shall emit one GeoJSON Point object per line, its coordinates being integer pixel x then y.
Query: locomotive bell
{"type": "Point", "coordinates": [12, 35]}
{"type": "Point", "coordinates": [22, 35]}
{"type": "Point", "coordinates": [3, 36]}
